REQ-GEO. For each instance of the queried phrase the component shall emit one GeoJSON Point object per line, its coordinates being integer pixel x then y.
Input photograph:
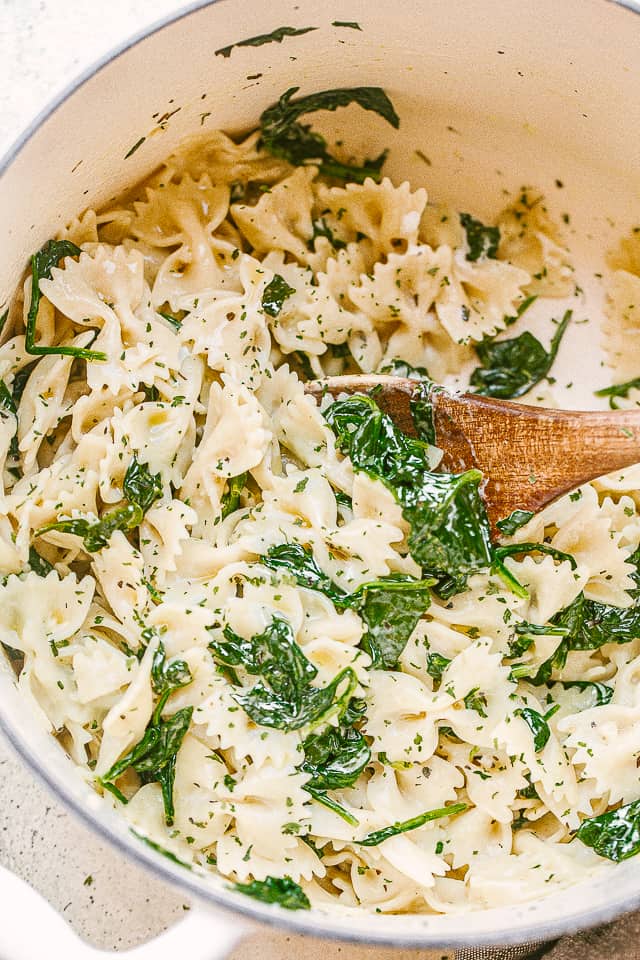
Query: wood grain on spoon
{"type": "Point", "coordinates": [528, 455]}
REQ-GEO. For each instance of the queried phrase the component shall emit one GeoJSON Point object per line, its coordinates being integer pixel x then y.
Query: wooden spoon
{"type": "Point", "coordinates": [528, 455]}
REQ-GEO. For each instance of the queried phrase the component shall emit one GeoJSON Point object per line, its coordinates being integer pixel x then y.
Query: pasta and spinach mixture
{"type": "Point", "coordinates": [268, 630]}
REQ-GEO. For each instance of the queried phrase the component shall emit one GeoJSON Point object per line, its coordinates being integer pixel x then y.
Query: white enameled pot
{"type": "Point", "coordinates": [495, 94]}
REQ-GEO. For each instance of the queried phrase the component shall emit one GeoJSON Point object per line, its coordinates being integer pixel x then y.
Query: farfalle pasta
{"type": "Point", "coordinates": [252, 638]}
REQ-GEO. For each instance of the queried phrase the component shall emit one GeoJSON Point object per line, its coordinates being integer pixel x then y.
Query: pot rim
{"type": "Point", "coordinates": [315, 922]}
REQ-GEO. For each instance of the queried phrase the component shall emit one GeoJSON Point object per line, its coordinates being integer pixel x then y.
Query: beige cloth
{"type": "Point", "coordinates": [616, 941]}
{"type": "Point", "coordinates": [530, 951]}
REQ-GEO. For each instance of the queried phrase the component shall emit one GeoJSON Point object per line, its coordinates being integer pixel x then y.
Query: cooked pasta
{"type": "Point", "coordinates": [219, 609]}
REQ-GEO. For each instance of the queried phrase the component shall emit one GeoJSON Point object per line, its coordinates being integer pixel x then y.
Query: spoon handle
{"type": "Point", "coordinates": [531, 455]}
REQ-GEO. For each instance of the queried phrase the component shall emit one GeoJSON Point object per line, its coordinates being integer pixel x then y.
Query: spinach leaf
{"type": "Point", "coordinates": [296, 143]}
{"type": "Point", "coordinates": [167, 678]}
{"type": "Point", "coordinates": [311, 706]}
{"type": "Point", "coordinates": [20, 382]}
{"type": "Point", "coordinates": [591, 624]}
{"type": "Point", "coordinates": [302, 361]}
{"type": "Point", "coordinates": [8, 405]}
{"type": "Point", "coordinates": [276, 36]}
{"type": "Point", "coordinates": [390, 607]}
{"type": "Point", "coordinates": [482, 241]}
{"type": "Point", "coordinates": [294, 559]}
{"type": "Point", "coordinates": [614, 835]}
{"type": "Point", "coordinates": [273, 654]}
{"type": "Point", "coordinates": [42, 263]}
{"type": "Point", "coordinates": [584, 625]}
{"type": "Point", "coordinates": [335, 758]}
{"type": "Point", "coordinates": [618, 390]}
{"type": "Point", "coordinates": [154, 758]}
{"type": "Point", "coordinates": [538, 724]}
{"type": "Point", "coordinates": [510, 368]}
{"type": "Point", "coordinates": [476, 700]}
{"type": "Point", "coordinates": [436, 665]}
{"type": "Point", "coordinates": [514, 521]}
{"type": "Point", "coordinates": [510, 549]}
{"type": "Point", "coordinates": [421, 407]}
{"type": "Point", "coordinates": [175, 323]}
{"type": "Point", "coordinates": [289, 702]}
{"type": "Point", "coordinates": [602, 692]}
{"type": "Point", "coordinates": [281, 890]}
{"type": "Point", "coordinates": [522, 308]}
{"type": "Point", "coordinates": [400, 368]}
{"type": "Point", "coordinates": [352, 24]}
{"type": "Point", "coordinates": [332, 805]}
{"type": "Point", "coordinates": [403, 826]}
{"type": "Point", "coordinates": [530, 792]}
{"type": "Point", "coordinates": [343, 500]}
{"type": "Point", "coordinates": [96, 533]}
{"type": "Point", "coordinates": [450, 535]}
{"type": "Point", "coordinates": [140, 487]}
{"type": "Point", "coordinates": [38, 564]}
{"type": "Point", "coordinates": [274, 295]}
{"type": "Point", "coordinates": [231, 496]}
{"type": "Point", "coordinates": [6, 400]}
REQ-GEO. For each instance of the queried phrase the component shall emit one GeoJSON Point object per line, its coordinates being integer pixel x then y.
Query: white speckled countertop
{"type": "Point", "coordinates": [43, 43]}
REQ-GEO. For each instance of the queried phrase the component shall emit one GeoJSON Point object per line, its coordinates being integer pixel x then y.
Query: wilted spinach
{"type": "Point", "coordinates": [390, 607]}
{"type": "Point", "coordinates": [154, 757]}
{"type": "Point", "coordinates": [400, 368]}
{"type": "Point", "coordinates": [618, 390]}
{"type": "Point", "coordinates": [283, 136]}
{"type": "Point", "coordinates": [231, 496]}
{"type": "Point", "coordinates": [514, 521]}
{"type": "Point", "coordinates": [274, 295]}
{"type": "Point", "coordinates": [403, 826]}
{"type": "Point", "coordinates": [510, 368]}
{"type": "Point", "coordinates": [281, 890]}
{"type": "Point", "coordinates": [6, 400]}
{"type": "Point", "coordinates": [287, 701]}
{"type": "Point", "coordinates": [614, 835]}
{"type": "Point", "coordinates": [296, 560]}
{"type": "Point", "coordinates": [38, 564]}
{"type": "Point", "coordinates": [481, 241]}
{"type": "Point", "coordinates": [276, 36]}
{"type": "Point", "coordinates": [166, 678]}
{"type": "Point", "coordinates": [513, 549]}
{"type": "Point", "coordinates": [421, 403]}
{"type": "Point", "coordinates": [42, 263]}
{"type": "Point", "coordinates": [538, 724]}
{"type": "Point", "coordinates": [436, 665]}
{"type": "Point", "coordinates": [584, 625]}
{"type": "Point", "coordinates": [141, 489]}
{"type": "Point", "coordinates": [335, 758]}
{"type": "Point", "coordinates": [602, 692]}
{"type": "Point", "coordinates": [450, 535]}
